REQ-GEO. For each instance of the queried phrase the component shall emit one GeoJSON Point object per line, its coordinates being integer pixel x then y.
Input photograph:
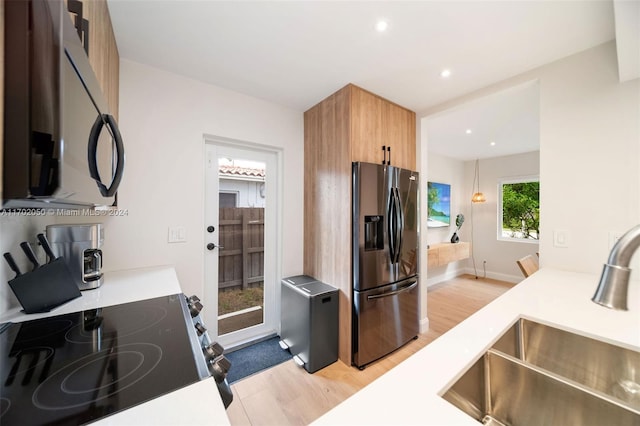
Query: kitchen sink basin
{"type": "Point", "coordinates": [537, 374]}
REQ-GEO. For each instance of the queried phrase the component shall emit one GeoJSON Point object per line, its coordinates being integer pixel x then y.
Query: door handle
{"type": "Point", "coordinates": [386, 151]}
{"type": "Point", "coordinates": [400, 224]}
{"type": "Point", "coordinates": [211, 246]}
{"type": "Point", "coordinates": [92, 154]}
{"type": "Point", "coordinates": [391, 233]}
{"type": "Point", "coordinates": [392, 293]}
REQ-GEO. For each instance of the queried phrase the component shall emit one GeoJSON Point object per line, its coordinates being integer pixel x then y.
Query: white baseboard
{"type": "Point", "coordinates": [496, 276]}
{"type": "Point", "coordinates": [449, 275]}
{"type": "Point", "coordinates": [424, 325]}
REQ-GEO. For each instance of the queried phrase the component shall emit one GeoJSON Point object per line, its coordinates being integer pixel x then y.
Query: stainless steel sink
{"type": "Point", "coordinates": [536, 374]}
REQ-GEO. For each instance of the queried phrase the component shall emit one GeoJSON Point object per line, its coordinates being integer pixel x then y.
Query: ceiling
{"type": "Point", "coordinates": [296, 53]}
{"type": "Point", "coordinates": [504, 123]}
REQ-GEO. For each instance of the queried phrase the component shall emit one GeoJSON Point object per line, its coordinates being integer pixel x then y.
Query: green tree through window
{"type": "Point", "coordinates": [521, 209]}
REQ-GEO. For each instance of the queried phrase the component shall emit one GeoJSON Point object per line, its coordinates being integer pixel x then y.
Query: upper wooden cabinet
{"type": "Point", "coordinates": [399, 132]}
{"type": "Point", "coordinates": [376, 123]}
{"type": "Point", "coordinates": [365, 114]}
{"type": "Point", "coordinates": [103, 51]}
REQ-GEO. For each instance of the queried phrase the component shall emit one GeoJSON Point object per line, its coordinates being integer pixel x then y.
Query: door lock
{"type": "Point", "coordinates": [210, 229]}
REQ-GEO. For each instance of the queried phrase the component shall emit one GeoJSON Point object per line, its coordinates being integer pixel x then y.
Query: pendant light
{"type": "Point", "coordinates": [478, 197]}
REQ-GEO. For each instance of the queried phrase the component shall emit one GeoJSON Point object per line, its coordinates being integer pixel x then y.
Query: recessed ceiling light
{"type": "Point", "coordinates": [381, 26]}
{"type": "Point", "coordinates": [468, 131]}
{"type": "Point", "coordinates": [445, 73]}
{"type": "Point", "coordinates": [492, 143]}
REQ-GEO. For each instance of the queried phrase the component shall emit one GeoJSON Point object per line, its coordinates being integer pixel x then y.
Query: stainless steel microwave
{"type": "Point", "coordinates": [62, 148]}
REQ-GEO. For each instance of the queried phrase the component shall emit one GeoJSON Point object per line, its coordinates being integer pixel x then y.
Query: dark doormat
{"type": "Point", "coordinates": [254, 358]}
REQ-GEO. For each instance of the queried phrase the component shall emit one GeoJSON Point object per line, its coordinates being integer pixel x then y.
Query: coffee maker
{"type": "Point", "coordinates": [79, 246]}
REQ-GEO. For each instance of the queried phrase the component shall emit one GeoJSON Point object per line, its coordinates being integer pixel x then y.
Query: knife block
{"type": "Point", "coordinates": [45, 288]}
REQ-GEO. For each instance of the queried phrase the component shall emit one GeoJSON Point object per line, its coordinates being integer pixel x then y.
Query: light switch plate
{"type": "Point", "coordinates": [177, 234]}
{"type": "Point", "coordinates": [560, 238]}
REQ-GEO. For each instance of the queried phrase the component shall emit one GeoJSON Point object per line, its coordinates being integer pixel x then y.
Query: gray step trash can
{"type": "Point", "coordinates": [309, 321]}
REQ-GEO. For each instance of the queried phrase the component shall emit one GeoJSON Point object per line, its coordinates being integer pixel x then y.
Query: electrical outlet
{"type": "Point", "coordinates": [177, 234]}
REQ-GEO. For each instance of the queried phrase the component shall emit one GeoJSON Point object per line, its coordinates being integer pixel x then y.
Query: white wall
{"type": "Point", "coordinates": [500, 255]}
{"type": "Point", "coordinates": [591, 121]}
{"type": "Point", "coordinates": [163, 118]}
{"type": "Point", "coordinates": [589, 155]}
{"type": "Point", "coordinates": [482, 219]}
{"type": "Point", "coordinates": [451, 171]}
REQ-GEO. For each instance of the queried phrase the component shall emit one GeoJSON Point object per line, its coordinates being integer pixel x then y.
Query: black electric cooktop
{"type": "Point", "coordinates": [79, 367]}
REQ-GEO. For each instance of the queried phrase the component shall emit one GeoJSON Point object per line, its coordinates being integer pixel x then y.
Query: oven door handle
{"type": "Point", "coordinates": [101, 120]}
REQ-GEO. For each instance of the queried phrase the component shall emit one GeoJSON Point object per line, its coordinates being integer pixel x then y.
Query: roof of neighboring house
{"type": "Point", "coordinates": [240, 172]}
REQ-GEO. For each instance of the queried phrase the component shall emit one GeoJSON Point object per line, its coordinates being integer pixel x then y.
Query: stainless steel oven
{"type": "Point", "coordinates": [62, 148]}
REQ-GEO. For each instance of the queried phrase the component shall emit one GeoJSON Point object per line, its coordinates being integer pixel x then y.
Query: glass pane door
{"type": "Point", "coordinates": [242, 200]}
{"type": "Point", "coordinates": [241, 292]}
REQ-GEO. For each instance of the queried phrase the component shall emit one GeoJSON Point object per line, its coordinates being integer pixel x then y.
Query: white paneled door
{"type": "Point", "coordinates": [241, 242]}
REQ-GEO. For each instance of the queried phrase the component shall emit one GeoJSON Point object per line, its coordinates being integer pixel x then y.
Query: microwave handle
{"type": "Point", "coordinates": [93, 154]}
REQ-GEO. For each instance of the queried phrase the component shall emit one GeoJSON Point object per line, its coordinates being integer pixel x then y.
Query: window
{"type": "Point", "coordinates": [519, 209]}
{"type": "Point", "coordinates": [228, 199]}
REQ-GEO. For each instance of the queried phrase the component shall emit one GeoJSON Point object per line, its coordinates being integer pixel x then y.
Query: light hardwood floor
{"type": "Point", "coordinates": [288, 395]}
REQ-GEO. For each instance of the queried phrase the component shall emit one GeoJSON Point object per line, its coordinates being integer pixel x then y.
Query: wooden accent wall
{"type": "Point", "coordinates": [327, 201]}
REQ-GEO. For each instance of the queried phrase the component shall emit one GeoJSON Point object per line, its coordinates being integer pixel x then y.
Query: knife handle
{"type": "Point", "coordinates": [12, 264]}
{"type": "Point", "coordinates": [47, 248]}
{"type": "Point", "coordinates": [26, 248]}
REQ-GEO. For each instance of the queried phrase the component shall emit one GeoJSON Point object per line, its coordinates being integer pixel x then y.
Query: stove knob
{"type": "Point", "coordinates": [194, 306]}
{"type": "Point", "coordinates": [224, 365]}
{"type": "Point", "coordinates": [201, 329]}
{"type": "Point", "coordinates": [220, 368]}
{"type": "Point", "coordinates": [212, 351]}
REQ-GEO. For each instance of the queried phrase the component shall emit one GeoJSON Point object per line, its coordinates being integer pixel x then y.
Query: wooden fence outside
{"type": "Point", "coordinates": [241, 261]}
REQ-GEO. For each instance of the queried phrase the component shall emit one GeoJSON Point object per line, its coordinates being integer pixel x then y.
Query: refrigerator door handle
{"type": "Point", "coordinates": [392, 293]}
{"type": "Point", "coordinates": [399, 225]}
{"type": "Point", "coordinates": [391, 224]}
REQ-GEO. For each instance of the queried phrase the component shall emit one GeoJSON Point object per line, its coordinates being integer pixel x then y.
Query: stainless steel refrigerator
{"type": "Point", "coordinates": [385, 260]}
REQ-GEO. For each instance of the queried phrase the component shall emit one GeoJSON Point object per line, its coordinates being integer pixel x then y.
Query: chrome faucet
{"type": "Point", "coordinates": [612, 290]}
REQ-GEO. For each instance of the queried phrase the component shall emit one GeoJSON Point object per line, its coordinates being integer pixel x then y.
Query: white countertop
{"type": "Point", "coordinates": [118, 287]}
{"type": "Point", "coordinates": [409, 393]}
{"type": "Point", "coordinates": [199, 403]}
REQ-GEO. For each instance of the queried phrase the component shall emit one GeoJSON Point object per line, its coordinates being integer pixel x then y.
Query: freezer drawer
{"type": "Point", "coordinates": [384, 319]}
{"type": "Point", "coordinates": [309, 321]}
